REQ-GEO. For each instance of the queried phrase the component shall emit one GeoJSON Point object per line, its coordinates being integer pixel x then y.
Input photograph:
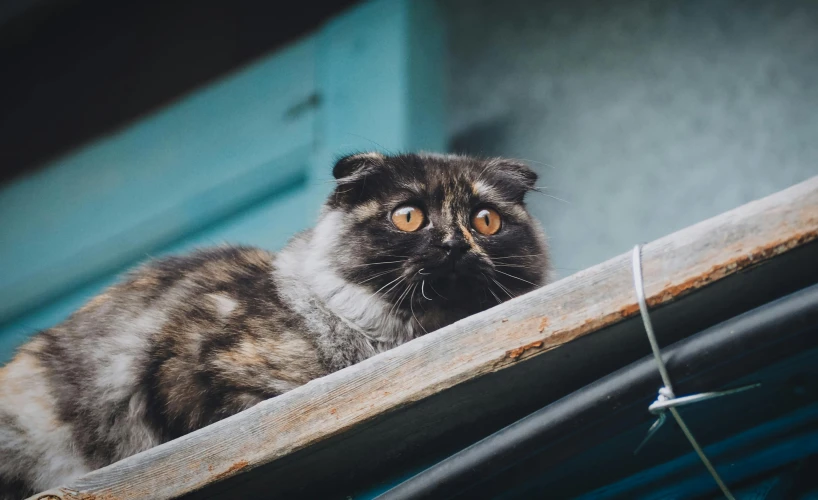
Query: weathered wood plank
{"type": "Point", "coordinates": [493, 340]}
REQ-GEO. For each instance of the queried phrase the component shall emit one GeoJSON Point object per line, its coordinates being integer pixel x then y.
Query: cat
{"type": "Point", "coordinates": [404, 245]}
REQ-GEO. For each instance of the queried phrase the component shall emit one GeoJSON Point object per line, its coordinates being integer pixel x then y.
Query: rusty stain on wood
{"type": "Point", "coordinates": [516, 353]}
{"type": "Point", "coordinates": [731, 266]}
{"type": "Point", "coordinates": [236, 467]}
{"type": "Point", "coordinates": [543, 324]}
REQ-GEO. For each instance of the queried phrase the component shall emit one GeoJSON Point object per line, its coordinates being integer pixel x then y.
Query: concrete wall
{"type": "Point", "coordinates": [644, 116]}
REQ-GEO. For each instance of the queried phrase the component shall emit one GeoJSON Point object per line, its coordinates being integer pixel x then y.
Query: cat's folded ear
{"type": "Point", "coordinates": [352, 173]}
{"type": "Point", "coordinates": [515, 176]}
{"type": "Point", "coordinates": [356, 166]}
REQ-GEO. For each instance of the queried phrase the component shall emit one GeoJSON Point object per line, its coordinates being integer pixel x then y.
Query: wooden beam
{"type": "Point", "coordinates": [492, 341]}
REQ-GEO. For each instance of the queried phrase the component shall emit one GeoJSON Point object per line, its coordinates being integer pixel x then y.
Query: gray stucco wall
{"type": "Point", "coordinates": [644, 116]}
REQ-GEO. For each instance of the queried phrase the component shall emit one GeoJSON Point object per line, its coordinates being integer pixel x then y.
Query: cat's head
{"type": "Point", "coordinates": [436, 237]}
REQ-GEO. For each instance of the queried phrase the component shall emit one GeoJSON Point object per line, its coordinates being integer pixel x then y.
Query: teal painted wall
{"type": "Point", "coordinates": [245, 160]}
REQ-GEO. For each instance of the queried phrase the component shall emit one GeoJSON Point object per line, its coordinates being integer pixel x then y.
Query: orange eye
{"type": "Point", "coordinates": [408, 218]}
{"type": "Point", "coordinates": [486, 221]}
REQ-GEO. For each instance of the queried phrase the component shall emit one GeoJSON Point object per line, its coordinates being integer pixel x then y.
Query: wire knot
{"type": "Point", "coordinates": [667, 400]}
{"type": "Point", "coordinates": [665, 394]}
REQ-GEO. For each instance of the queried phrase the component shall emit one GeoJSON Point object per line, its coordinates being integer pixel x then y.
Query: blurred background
{"type": "Point", "coordinates": [133, 129]}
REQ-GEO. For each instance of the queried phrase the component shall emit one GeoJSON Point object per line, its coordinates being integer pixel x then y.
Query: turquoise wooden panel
{"type": "Point", "coordinates": [380, 73]}
{"type": "Point", "coordinates": [108, 203]}
{"type": "Point", "coordinates": [244, 160]}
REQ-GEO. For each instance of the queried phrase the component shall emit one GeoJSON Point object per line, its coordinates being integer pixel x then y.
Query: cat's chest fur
{"type": "Point", "coordinates": [350, 322]}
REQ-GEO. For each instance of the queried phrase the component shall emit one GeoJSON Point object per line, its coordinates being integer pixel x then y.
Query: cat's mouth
{"type": "Point", "coordinates": [450, 269]}
{"type": "Point", "coordinates": [446, 270]}
{"type": "Point", "coordinates": [449, 273]}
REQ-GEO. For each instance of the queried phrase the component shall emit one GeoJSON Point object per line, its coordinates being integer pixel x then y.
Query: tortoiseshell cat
{"type": "Point", "coordinates": [405, 245]}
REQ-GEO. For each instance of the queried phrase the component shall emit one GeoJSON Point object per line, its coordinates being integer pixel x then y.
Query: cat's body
{"type": "Point", "coordinates": [186, 341]}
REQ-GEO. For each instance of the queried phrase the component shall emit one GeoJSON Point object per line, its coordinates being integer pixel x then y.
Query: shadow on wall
{"type": "Point", "coordinates": [490, 138]}
{"type": "Point", "coordinates": [645, 117]}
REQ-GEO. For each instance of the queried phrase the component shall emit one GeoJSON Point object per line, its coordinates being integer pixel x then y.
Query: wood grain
{"type": "Point", "coordinates": [508, 334]}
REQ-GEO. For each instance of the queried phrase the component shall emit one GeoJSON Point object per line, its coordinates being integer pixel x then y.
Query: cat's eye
{"type": "Point", "coordinates": [408, 218]}
{"type": "Point", "coordinates": [486, 221]}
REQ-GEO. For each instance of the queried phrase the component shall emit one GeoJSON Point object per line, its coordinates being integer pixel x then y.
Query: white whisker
{"type": "Point", "coordinates": [412, 308]}
{"type": "Point", "coordinates": [393, 287]}
{"type": "Point", "coordinates": [554, 197]}
{"type": "Point", "coordinates": [395, 305]}
{"type": "Point", "coordinates": [386, 285]}
{"type": "Point", "coordinates": [515, 277]}
{"type": "Point", "coordinates": [422, 291]}
{"type": "Point", "coordinates": [375, 264]}
{"type": "Point", "coordinates": [436, 292]}
{"type": "Point", "coordinates": [503, 288]}
{"type": "Point", "coordinates": [400, 300]}
{"type": "Point", "coordinates": [488, 287]}
{"type": "Point", "coordinates": [521, 266]}
{"type": "Point", "coordinates": [376, 275]}
{"type": "Point", "coordinates": [527, 160]}
{"type": "Point", "coordinates": [518, 256]}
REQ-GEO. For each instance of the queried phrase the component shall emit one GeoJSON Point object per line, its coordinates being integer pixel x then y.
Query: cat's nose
{"type": "Point", "coordinates": [454, 248]}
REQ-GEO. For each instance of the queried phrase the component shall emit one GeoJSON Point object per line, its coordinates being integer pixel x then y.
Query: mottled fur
{"type": "Point", "coordinates": [186, 341]}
